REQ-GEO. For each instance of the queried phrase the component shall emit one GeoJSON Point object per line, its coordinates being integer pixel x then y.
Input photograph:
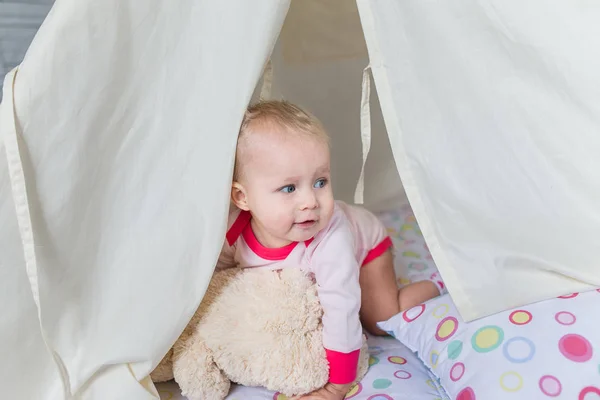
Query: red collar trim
{"type": "Point", "coordinates": [242, 226]}
{"type": "Point", "coordinates": [279, 253]}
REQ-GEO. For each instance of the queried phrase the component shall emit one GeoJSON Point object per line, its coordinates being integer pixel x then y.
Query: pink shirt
{"type": "Point", "coordinates": [353, 238]}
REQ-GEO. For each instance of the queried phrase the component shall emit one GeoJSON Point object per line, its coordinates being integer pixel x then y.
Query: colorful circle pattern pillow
{"type": "Point", "coordinates": [547, 350]}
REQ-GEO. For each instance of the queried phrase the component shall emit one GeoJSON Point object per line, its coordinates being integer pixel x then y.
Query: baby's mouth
{"type": "Point", "coordinates": [306, 224]}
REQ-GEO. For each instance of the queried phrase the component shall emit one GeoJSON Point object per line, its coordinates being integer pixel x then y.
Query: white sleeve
{"type": "Point", "coordinates": [337, 274]}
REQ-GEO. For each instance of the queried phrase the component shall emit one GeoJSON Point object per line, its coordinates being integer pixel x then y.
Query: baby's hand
{"type": "Point", "coordinates": [331, 391]}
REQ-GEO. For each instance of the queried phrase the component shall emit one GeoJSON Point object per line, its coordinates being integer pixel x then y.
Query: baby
{"type": "Point", "coordinates": [285, 216]}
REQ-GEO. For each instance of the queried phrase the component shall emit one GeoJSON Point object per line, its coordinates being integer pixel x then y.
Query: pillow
{"type": "Point", "coordinates": [549, 349]}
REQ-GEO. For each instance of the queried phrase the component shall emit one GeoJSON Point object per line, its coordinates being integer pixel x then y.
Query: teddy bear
{"type": "Point", "coordinates": [254, 327]}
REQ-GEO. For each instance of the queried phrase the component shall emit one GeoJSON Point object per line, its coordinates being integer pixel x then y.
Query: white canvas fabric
{"type": "Point", "coordinates": [126, 116]}
{"type": "Point", "coordinates": [493, 114]}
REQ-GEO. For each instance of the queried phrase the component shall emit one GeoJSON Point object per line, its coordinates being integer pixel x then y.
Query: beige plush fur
{"type": "Point", "coordinates": [255, 328]}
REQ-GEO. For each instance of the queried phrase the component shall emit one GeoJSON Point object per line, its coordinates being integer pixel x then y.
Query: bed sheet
{"type": "Point", "coordinates": [395, 372]}
{"type": "Point", "coordinates": [412, 259]}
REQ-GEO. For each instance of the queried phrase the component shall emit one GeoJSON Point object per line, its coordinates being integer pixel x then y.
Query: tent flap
{"type": "Point", "coordinates": [116, 100]}
{"type": "Point", "coordinates": [493, 114]}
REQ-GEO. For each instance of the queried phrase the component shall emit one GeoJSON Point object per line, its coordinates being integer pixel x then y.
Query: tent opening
{"type": "Point", "coordinates": [318, 63]}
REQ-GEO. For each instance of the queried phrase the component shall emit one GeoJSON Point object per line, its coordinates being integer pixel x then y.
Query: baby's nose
{"type": "Point", "coordinates": [309, 201]}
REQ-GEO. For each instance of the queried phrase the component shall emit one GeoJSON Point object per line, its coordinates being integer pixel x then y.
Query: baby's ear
{"type": "Point", "coordinates": [238, 196]}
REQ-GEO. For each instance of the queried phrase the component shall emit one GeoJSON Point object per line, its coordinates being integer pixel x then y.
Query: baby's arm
{"type": "Point", "coordinates": [337, 274]}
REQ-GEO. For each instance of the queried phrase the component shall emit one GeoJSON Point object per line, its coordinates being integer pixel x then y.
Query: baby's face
{"type": "Point", "coordinates": [287, 184]}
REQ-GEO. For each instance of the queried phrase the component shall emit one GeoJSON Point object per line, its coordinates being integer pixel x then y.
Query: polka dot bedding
{"type": "Point", "coordinates": [395, 372]}
{"type": "Point", "coordinates": [549, 349]}
{"type": "Point", "coordinates": [412, 260]}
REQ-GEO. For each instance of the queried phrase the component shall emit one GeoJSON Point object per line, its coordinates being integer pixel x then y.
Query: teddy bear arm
{"type": "Point", "coordinates": [196, 373]}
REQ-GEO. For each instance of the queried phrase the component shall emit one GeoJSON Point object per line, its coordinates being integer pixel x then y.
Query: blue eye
{"type": "Point", "coordinates": [288, 189]}
{"type": "Point", "coordinates": [319, 184]}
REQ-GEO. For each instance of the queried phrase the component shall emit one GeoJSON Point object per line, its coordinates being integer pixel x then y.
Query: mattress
{"type": "Point", "coordinates": [395, 372]}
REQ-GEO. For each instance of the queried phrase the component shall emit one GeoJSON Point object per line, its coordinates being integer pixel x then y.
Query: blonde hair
{"type": "Point", "coordinates": [279, 113]}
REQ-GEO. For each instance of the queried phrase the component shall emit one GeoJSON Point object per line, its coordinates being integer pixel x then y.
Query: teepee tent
{"type": "Point", "coordinates": [118, 132]}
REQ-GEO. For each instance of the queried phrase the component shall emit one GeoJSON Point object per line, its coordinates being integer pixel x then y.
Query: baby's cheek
{"type": "Point", "coordinates": [279, 221]}
{"type": "Point", "coordinates": [326, 200]}
{"type": "Point", "coordinates": [269, 208]}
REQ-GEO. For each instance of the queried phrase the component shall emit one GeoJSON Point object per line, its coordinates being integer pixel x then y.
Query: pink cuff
{"type": "Point", "coordinates": [342, 366]}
